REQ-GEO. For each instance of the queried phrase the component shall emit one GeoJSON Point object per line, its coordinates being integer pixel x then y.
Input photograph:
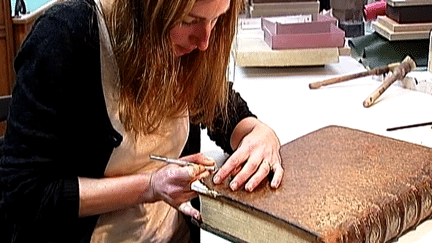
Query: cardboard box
{"type": "Point", "coordinates": [257, 10]}
{"type": "Point", "coordinates": [409, 11]}
{"type": "Point", "coordinates": [334, 38]}
{"type": "Point", "coordinates": [277, 26]}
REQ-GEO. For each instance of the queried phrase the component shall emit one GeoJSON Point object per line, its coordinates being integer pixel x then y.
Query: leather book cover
{"type": "Point", "coordinates": [342, 185]}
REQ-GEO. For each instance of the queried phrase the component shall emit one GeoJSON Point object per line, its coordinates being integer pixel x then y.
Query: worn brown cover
{"type": "Point", "coordinates": [346, 185]}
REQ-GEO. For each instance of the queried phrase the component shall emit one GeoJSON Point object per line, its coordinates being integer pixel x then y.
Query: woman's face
{"type": "Point", "coordinates": [195, 29]}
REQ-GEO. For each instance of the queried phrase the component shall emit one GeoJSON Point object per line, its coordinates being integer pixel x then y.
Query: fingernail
{"type": "Point", "coordinates": [233, 185]}
{"type": "Point", "coordinates": [210, 159]}
{"type": "Point", "coordinates": [197, 216]}
{"type": "Point", "coordinates": [249, 187]}
{"type": "Point", "coordinates": [216, 179]}
{"type": "Point", "coordinates": [275, 184]}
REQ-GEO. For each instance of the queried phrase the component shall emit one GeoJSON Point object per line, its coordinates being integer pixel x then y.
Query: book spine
{"type": "Point", "coordinates": [390, 218]}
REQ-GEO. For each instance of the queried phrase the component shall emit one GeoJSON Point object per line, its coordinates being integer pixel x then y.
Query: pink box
{"type": "Point", "coordinates": [322, 25]}
{"type": "Point", "coordinates": [334, 38]}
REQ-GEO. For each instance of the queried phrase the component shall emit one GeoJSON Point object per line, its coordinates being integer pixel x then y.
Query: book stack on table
{"type": "Point", "coordinates": [309, 39]}
{"type": "Point", "coordinates": [280, 33]}
{"type": "Point", "coordinates": [251, 50]}
{"type": "Point", "coordinates": [405, 20]}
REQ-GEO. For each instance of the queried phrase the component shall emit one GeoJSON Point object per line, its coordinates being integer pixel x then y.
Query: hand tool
{"type": "Point", "coordinates": [398, 73]}
{"type": "Point", "coordinates": [374, 71]}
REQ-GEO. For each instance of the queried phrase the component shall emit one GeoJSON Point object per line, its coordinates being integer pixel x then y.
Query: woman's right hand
{"type": "Point", "coordinates": [172, 184]}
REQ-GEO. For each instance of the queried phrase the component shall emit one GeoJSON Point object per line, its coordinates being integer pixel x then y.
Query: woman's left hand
{"type": "Point", "coordinates": [256, 155]}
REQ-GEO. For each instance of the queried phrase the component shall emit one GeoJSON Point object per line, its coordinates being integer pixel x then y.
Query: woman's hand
{"type": "Point", "coordinates": [256, 154]}
{"type": "Point", "coordinates": [172, 183]}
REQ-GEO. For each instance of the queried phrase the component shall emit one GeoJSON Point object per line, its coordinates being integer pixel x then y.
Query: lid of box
{"type": "Point", "coordinates": [403, 3]}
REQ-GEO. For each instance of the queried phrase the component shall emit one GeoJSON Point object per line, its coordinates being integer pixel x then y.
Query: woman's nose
{"type": "Point", "coordinates": [202, 36]}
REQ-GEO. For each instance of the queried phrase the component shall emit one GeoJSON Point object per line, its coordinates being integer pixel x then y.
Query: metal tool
{"type": "Point", "coordinates": [410, 126]}
{"type": "Point", "coordinates": [199, 187]}
{"type": "Point", "coordinates": [180, 162]}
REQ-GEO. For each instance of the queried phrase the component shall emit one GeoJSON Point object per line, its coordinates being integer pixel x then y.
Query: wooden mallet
{"type": "Point", "coordinates": [398, 73]}
{"type": "Point", "coordinates": [375, 71]}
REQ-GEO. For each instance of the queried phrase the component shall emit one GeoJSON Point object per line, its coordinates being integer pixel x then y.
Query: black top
{"type": "Point", "coordinates": [59, 130]}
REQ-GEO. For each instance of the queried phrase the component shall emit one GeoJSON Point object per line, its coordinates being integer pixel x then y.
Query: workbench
{"type": "Point", "coordinates": [281, 98]}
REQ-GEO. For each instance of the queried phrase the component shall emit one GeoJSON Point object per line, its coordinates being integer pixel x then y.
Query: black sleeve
{"type": "Point", "coordinates": [31, 188]}
{"type": "Point", "coordinates": [237, 110]}
{"type": "Point", "coordinates": [55, 131]}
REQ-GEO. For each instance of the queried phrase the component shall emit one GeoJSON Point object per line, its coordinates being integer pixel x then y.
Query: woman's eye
{"type": "Point", "coordinates": [189, 21]}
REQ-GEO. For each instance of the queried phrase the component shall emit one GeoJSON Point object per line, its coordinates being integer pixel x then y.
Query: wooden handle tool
{"type": "Point", "coordinates": [399, 72]}
{"type": "Point", "coordinates": [374, 71]}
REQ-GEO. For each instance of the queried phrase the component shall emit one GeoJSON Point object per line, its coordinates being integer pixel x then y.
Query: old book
{"type": "Point", "coordinates": [340, 185]}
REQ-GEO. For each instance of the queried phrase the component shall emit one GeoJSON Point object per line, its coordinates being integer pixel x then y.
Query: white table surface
{"type": "Point", "coordinates": [281, 98]}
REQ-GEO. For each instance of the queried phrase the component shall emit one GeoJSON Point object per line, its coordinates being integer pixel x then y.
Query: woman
{"type": "Point", "coordinates": [101, 86]}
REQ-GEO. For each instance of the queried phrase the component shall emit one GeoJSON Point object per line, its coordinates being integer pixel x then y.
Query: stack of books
{"type": "Point", "coordinates": [281, 33]}
{"type": "Point", "coordinates": [405, 20]}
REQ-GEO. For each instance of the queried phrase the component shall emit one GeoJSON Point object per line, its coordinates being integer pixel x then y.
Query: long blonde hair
{"type": "Point", "coordinates": [154, 84]}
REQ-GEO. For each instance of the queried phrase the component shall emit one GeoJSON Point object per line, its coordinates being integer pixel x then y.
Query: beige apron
{"type": "Point", "coordinates": [149, 222]}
